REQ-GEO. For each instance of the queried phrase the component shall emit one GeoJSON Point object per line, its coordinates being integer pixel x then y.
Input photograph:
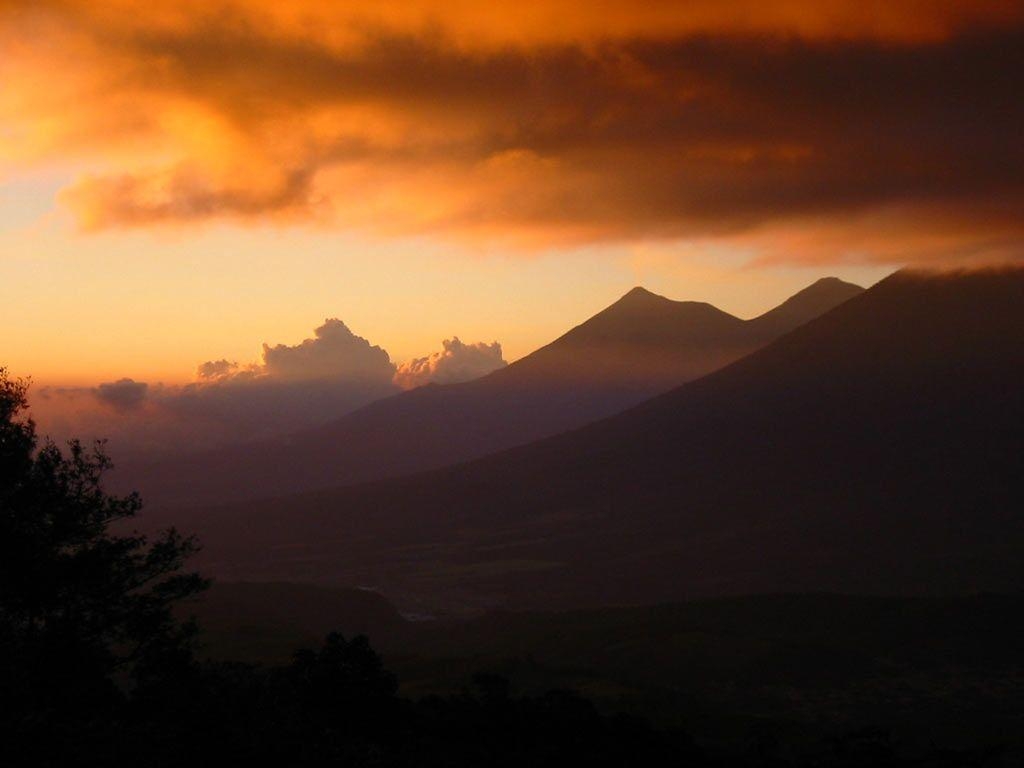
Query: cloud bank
{"type": "Point", "coordinates": [334, 353]}
{"type": "Point", "coordinates": [456, 362]}
{"type": "Point", "coordinates": [292, 387]}
{"type": "Point", "coordinates": [123, 394]}
{"type": "Point", "coordinates": [213, 370]}
{"type": "Point", "coordinates": [827, 129]}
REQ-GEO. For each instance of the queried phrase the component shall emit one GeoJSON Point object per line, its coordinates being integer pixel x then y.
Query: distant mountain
{"type": "Point", "coordinates": [877, 449]}
{"type": "Point", "coordinates": [640, 346]}
{"type": "Point", "coordinates": [812, 302]}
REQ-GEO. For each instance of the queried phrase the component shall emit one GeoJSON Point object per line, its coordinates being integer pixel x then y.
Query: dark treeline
{"type": "Point", "coordinates": [96, 670]}
{"type": "Point", "coordinates": [338, 706]}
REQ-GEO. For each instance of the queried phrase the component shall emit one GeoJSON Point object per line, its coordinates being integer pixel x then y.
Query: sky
{"type": "Point", "coordinates": [184, 182]}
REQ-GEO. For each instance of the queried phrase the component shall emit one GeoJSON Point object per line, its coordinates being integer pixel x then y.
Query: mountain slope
{"type": "Point", "coordinates": [638, 347]}
{"type": "Point", "coordinates": [876, 449]}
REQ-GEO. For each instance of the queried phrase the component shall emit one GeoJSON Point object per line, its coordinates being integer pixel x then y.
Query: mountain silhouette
{"type": "Point", "coordinates": [876, 449]}
{"type": "Point", "coordinates": [640, 346]}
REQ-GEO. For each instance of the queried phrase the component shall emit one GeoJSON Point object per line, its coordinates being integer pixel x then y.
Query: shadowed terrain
{"type": "Point", "coordinates": [258, 622]}
{"type": "Point", "coordinates": [639, 347]}
{"type": "Point", "coordinates": [875, 449]}
{"type": "Point", "coordinates": [816, 672]}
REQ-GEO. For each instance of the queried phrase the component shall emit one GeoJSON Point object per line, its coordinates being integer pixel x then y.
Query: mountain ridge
{"type": "Point", "coordinates": [638, 346]}
{"type": "Point", "coordinates": [875, 449]}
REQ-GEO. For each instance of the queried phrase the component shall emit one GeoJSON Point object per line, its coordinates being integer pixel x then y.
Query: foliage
{"type": "Point", "coordinates": [83, 608]}
{"type": "Point", "coordinates": [94, 668]}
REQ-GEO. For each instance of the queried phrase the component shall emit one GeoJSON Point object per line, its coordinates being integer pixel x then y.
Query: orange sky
{"type": "Point", "coordinates": [185, 181]}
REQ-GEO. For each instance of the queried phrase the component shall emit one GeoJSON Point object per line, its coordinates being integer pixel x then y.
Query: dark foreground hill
{"type": "Point", "coordinates": [877, 449]}
{"type": "Point", "coordinates": [639, 347]}
{"type": "Point", "coordinates": [806, 677]}
{"type": "Point", "coordinates": [268, 621]}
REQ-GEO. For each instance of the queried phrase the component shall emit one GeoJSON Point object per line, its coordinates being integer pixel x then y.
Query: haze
{"type": "Point", "coordinates": [202, 180]}
{"type": "Point", "coordinates": [550, 383]}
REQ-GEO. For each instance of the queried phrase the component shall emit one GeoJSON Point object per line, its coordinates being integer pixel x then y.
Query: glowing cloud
{"type": "Point", "coordinates": [553, 123]}
{"type": "Point", "coordinates": [335, 353]}
{"type": "Point", "coordinates": [213, 370]}
{"type": "Point", "coordinates": [294, 386]}
{"type": "Point", "coordinates": [457, 362]}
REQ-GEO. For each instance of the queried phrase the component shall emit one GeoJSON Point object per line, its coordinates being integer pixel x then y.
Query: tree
{"type": "Point", "coordinates": [82, 608]}
{"type": "Point", "coordinates": [95, 670]}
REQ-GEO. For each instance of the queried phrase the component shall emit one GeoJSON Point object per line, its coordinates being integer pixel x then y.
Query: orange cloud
{"type": "Point", "coordinates": [560, 122]}
{"type": "Point", "coordinates": [540, 22]}
{"type": "Point", "coordinates": [457, 362]}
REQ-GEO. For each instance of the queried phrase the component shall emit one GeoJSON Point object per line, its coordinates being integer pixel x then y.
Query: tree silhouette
{"type": "Point", "coordinates": [96, 670]}
{"type": "Point", "coordinates": [83, 610]}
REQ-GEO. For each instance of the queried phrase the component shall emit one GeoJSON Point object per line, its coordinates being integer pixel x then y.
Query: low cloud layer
{"type": "Point", "coordinates": [881, 131]}
{"type": "Point", "coordinates": [456, 362]}
{"type": "Point", "coordinates": [123, 394]}
{"type": "Point", "coordinates": [292, 387]}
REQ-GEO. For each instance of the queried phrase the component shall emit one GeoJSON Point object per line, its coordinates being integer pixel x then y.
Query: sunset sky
{"type": "Point", "coordinates": [182, 182]}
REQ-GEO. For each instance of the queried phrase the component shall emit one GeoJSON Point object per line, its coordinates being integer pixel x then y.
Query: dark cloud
{"type": "Point", "coordinates": [123, 394]}
{"type": "Point", "coordinates": [559, 122]}
{"type": "Point", "coordinates": [215, 369]}
{"type": "Point", "coordinates": [691, 136]}
{"type": "Point", "coordinates": [181, 194]}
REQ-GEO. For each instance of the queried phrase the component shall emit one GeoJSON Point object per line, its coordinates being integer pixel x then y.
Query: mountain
{"type": "Point", "coordinates": [876, 449]}
{"type": "Point", "coordinates": [640, 346]}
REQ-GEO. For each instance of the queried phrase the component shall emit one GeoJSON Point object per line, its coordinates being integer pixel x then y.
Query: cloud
{"type": "Point", "coordinates": [534, 23]}
{"type": "Point", "coordinates": [334, 353]}
{"type": "Point", "coordinates": [123, 394]}
{"type": "Point", "coordinates": [178, 194]}
{"type": "Point", "coordinates": [457, 362]}
{"type": "Point", "coordinates": [291, 388]}
{"type": "Point", "coordinates": [215, 369]}
{"type": "Point", "coordinates": [560, 122]}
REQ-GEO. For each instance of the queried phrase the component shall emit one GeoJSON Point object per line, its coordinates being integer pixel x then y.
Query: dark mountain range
{"type": "Point", "coordinates": [877, 449]}
{"type": "Point", "coordinates": [639, 347]}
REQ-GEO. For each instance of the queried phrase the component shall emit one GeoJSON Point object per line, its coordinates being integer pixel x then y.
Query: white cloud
{"type": "Point", "coordinates": [335, 353]}
{"type": "Point", "coordinates": [293, 387]}
{"type": "Point", "coordinates": [457, 362]}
